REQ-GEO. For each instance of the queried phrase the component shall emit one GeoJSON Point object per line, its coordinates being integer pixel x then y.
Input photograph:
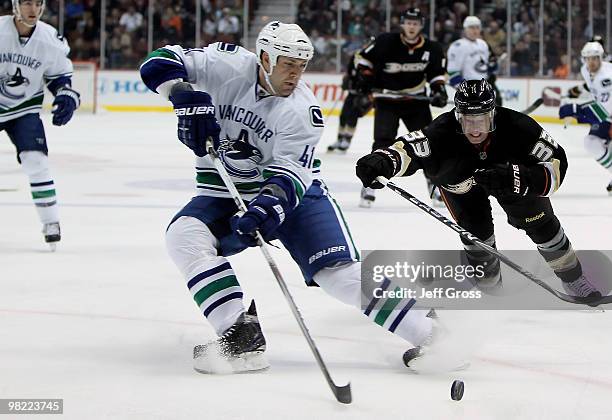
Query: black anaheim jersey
{"type": "Point", "coordinates": [398, 67]}
{"type": "Point", "coordinates": [449, 159]}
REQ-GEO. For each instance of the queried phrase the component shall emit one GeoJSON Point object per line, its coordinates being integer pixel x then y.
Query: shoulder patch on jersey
{"type": "Point", "coordinates": [606, 82]}
{"type": "Point", "coordinates": [316, 116]}
{"type": "Point", "coordinates": [227, 48]}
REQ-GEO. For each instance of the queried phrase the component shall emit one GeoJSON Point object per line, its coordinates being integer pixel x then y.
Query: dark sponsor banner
{"type": "Point", "coordinates": [443, 279]}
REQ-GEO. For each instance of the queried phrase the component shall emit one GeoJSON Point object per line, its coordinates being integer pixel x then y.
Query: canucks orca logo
{"type": "Point", "coordinates": [240, 158]}
{"type": "Point", "coordinates": [481, 66]}
{"type": "Point", "coordinates": [13, 87]}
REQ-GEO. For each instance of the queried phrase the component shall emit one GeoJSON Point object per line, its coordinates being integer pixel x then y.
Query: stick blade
{"type": "Point", "coordinates": [343, 393]}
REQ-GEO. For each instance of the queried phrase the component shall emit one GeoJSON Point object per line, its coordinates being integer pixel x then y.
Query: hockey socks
{"type": "Point", "coordinates": [36, 166]}
{"type": "Point", "coordinates": [216, 291]}
{"type": "Point", "coordinates": [396, 315]}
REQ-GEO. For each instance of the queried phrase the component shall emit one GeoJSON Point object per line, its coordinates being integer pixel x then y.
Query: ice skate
{"type": "Point", "coordinates": [581, 287]}
{"type": "Point", "coordinates": [52, 234]}
{"type": "Point", "coordinates": [341, 145]}
{"type": "Point", "coordinates": [367, 197]}
{"type": "Point", "coordinates": [609, 188]}
{"type": "Point", "coordinates": [435, 354]}
{"type": "Point", "coordinates": [239, 349]}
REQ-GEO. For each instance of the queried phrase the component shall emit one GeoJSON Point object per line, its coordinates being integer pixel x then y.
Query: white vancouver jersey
{"type": "Point", "coordinates": [600, 84]}
{"type": "Point", "coordinates": [261, 136]}
{"type": "Point", "coordinates": [24, 68]}
{"type": "Point", "coordinates": [468, 59]}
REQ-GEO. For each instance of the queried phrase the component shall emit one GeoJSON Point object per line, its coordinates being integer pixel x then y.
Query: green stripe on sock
{"type": "Point", "coordinates": [214, 287]}
{"type": "Point", "coordinates": [607, 162]}
{"type": "Point", "coordinates": [43, 194]}
{"type": "Point", "coordinates": [386, 310]}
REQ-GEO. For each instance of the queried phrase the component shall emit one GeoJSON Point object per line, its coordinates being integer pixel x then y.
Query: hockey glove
{"type": "Point", "coordinates": [382, 162]}
{"type": "Point", "coordinates": [439, 98]}
{"type": "Point", "coordinates": [265, 213]}
{"type": "Point", "coordinates": [364, 79]}
{"type": "Point", "coordinates": [67, 100]}
{"type": "Point", "coordinates": [505, 180]}
{"type": "Point", "coordinates": [363, 104]}
{"type": "Point", "coordinates": [196, 120]}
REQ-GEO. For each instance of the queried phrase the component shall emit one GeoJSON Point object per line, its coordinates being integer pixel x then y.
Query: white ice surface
{"type": "Point", "coordinates": [107, 324]}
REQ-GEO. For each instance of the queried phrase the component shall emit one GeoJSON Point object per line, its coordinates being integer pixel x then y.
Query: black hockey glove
{"type": "Point", "coordinates": [381, 162]}
{"type": "Point", "coordinates": [506, 180]}
{"type": "Point", "coordinates": [196, 119]}
{"type": "Point", "coordinates": [363, 103]}
{"type": "Point", "coordinates": [67, 100]}
{"type": "Point", "coordinates": [364, 79]}
{"type": "Point", "coordinates": [439, 97]}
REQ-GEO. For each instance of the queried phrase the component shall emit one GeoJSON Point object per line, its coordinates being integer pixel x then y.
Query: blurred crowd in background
{"type": "Point", "coordinates": [173, 22]}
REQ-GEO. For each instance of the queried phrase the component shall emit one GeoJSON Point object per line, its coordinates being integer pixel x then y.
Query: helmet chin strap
{"type": "Point", "coordinates": [23, 22]}
{"type": "Point", "coordinates": [267, 78]}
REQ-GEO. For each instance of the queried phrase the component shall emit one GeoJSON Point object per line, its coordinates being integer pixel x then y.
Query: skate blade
{"type": "Point", "coordinates": [217, 364]}
{"type": "Point", "coordinates": [366, 204]}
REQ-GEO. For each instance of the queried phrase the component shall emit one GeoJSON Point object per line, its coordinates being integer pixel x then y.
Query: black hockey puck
{"type": "Point", "coordinates": [457, 389]}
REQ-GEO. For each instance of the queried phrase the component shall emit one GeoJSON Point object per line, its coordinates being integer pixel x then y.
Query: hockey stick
{"type": "Point", "coordinates": [331, 110]}
{"type": "Point", "coordinates": [467, 235]}
{"type": "Point", "coordinates": [535, 105]}
{"type": "Point", "coordinates": [405, 96]}
{"type": "Point", "coordinates": [342, 393]}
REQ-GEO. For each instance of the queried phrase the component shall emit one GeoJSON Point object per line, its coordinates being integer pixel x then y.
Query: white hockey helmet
{"type": "Point", "coordinates": [592, 49]}
{"type": "Point", "coordinates": [286, 39]}
{"type": "Point", "coordinates": [471, 21]}
{"type": "Point", "coordinates": [17, 11]}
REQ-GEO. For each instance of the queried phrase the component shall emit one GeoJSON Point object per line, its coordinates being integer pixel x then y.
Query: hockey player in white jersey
{"type": "Point", "coordinates": [265, 123]}
{"type": "Point", "coordinates": [33, 54]}
{"type": "Point", "coordinates": [597, 75]}
{"type": "Point", "coordinates": [471, 58]}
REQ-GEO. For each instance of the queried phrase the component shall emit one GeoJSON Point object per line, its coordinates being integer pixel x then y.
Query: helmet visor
{"type": "Point", "coordinates": [476, 123]}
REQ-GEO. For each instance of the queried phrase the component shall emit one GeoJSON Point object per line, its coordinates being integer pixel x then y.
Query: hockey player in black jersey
{"type": "Point", "coordinates": [479, 150]}
{"type": "Point", "coordinates": [397, 67]}
{"type": "Point", "coordinates": [356, 104]}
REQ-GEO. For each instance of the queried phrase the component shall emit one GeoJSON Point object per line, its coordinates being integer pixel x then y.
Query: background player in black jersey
{"type": "Point", "coordinates": [395, 67]}
{"type": "Point", "coordinates": [479, 150]}
{"type": "Point", "coordinates": [356, 104]}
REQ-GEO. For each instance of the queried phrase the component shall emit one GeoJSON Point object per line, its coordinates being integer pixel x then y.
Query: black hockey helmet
{"type": "Point", "coordinates": [413, 13]}
{"type": "Point", "coordinates": [475, 98]}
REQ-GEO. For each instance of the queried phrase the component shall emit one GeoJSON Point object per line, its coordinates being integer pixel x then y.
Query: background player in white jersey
{"type": "Point", "coordinates": [471, 58]}
{"type": "Point", "coordinates": [268, 125]}
{"type": "Point", "coordinates": [33, 54]}
{"type": "Point", "coordinates": [597, 75]}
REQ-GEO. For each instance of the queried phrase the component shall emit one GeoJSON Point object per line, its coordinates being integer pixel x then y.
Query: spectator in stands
{"type": "Point", "coordinates": [495, 37]}
{"type": "Point", "coordinates": [562, 70]}
{"type": "Point", "coordinates": [228, 27]}
{"type": "Point", "coordinates": [131, 20]}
